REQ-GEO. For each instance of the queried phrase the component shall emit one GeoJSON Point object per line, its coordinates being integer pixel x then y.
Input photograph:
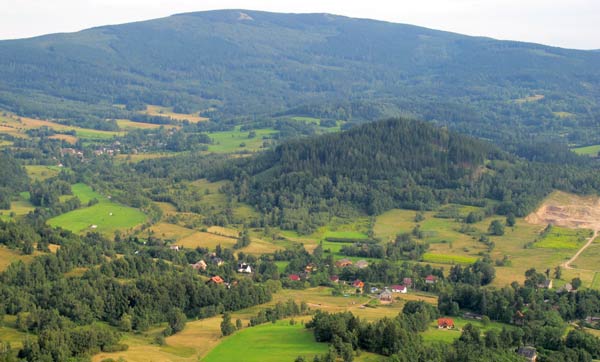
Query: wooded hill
{"type": "Point", "coordinates": [397, 163]}
{"type": "Point", "coordinates": [238, 63]}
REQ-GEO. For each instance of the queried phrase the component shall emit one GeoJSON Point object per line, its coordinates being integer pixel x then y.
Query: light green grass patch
{"type": "Point", "coordinates": [265, 343]}
{"type": "Point", "coordinates": [41, 172]}
{"type": "Point", "coordinates": [448, 259]}
{"type": "Point", "coordinates": [449, 335]}
{"type": "Point", "coordinates": [237, 140]}
{"type": "Point", "coordinates": [587, 150]}
{"type": "Point", "coordinates": [563, 238]}
{"type": "Point", "coordinates": [106, 215]}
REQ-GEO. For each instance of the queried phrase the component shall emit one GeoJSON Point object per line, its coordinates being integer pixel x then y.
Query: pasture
{"type": "Point", "coordinates": [41, 172]}
{"type": "Point", "coordinates": [587, 150]}
{"type": "Point", "coordinates": [106, 215]}
{"type": "Point", "coordinates": [127, 125]}
{"type": "Point", "coordinates": [269, 342]}
{"type": "Point", "coordinates": [433, 334]}
{"type": "Point", "coordinates": [153, 110]}
{"type": "Point", "coordinates": [563, 238]}
{"type": "Point", "coordinates": [237, 140]}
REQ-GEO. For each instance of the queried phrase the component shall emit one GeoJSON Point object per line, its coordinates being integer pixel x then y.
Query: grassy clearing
{"type": "Point", "coordinates": [589, 258]}
{"type": "Point", "coordinates": [449, 335]}
{"type": "Point", "coordinates": [168, 231]}
{"type": "Point", "coordinates": [127, 125]}
{"type": "Point", "coordinates": [352, 235]}
{"type": "Point", "coordinates": [533, 98]}
{"type": "Point", "coordinates": [8, 256]}
{"type": "Point", "coordinates": [206, 240]}
{"type": "Point", "coordinates": [145, 156]}
{"type": "Point", "coordinates": [65, 137]}
{"type": "Point", "coordinates": [563, 238]}
{"type": "Point", "coordinates": [269, 342]}
{"type": "Point", "coordinates": [108, 216]}
{"type": "Point", "coordinates": [9, 332]}
{"type": "Point", "coordinates": [448, 259]}
{"type": "Point", "coordinates": [153, 110]}
{"type": "Point", "coordinates": [587, 150]}
{"type": "Point", "coordinates": [18, 208]}
{"type": "Point", "coordinates": [237, 140]}
{"type": "Point", "coordinates": [41, 172]}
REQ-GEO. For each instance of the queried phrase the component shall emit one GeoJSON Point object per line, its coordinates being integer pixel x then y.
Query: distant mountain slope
{"type": "Point", "coordinates": [239, 63]}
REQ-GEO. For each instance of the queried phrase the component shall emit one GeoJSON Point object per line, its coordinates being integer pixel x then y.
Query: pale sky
{"type": "Point", "coordinates": [564, 23]}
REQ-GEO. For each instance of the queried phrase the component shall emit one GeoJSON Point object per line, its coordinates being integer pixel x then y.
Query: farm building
{"type": "Point", "coordinates": [546, 284]}
{"type": "Point", "coordinates": [342, 263]}
{"type": "Point", "coordinates": [385, 296]}
{"type": "Point", "coordinates": [431, 279]}
{"type": "Point", "coordinates": [445, 323]}
{"type": "Point", "coordinates": [358, 284]}
{"type": "Point", "coordinates": [334, 278]}
{"type": "Point", "coordinates": [200, 265]}
{"type": "Point", "coordinates": [294, 277]}
{"type": "Point", "coordinates": [175, 247]}
{"type": "Point", "coordinates": [361, 264]}
{"type": "Point", "coordinates": [529, 353]}
{"type": "Point", "coordinates": [216, 280]}
{"type": "Point", "coordinates": [244, 268]}
{"type": "Point", "coordinates": [399, 289]}
{"type": "Point", "coordinates": [311, 267]}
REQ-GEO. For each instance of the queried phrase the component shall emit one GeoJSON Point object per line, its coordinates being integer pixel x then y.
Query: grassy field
{"type": "Point", "coordinates": [127, 125]}
{"type": "Point", "coordinates": [41, 172]}
{"type": "Point", "coordinates": [589, 259]}
{"type": "Point", "coordinates": [236, 140]}
{"type": "Point", "coordinates": [269, 342]}
{"type": "Point", "coordinates": [533, 98]}
{"type": "Point", "coordinates": [168, 112]}
{"type": "Point", "coordinates": [19, 207]}
{"type": "Point", "coordinates": [108, 216]}
{"type": "Point", "coordinates": [448, 259]}
{"type": "Point", "coordinates": [449, 335]}
{"type": "Point", "coordinates": [8, 256]}
{"type": "Point", "coordinates": [587, 150]}
{"type": "Point", "coordinates": [563, 238]}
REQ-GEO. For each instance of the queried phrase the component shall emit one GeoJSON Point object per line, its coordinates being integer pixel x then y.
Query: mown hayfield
{"type": "Point", "coordinates": [394, 222]}
{"type": "Point", "coordinates": [65, 137]}
{"type": "Point", "coordinates": [9, 332]}
{"type": "Point", "coordinates": [269, 342]}
{"type": "Point", "coordinates": [587, 150]}
{"type": "Point", "coordinates": [237, 140]}
{"type": "Point", "coordinates": [153, 110]}
{"type": "Point", "coordinates": [41, 172]}
{"type": "Point", "coordinates": [589, 259]}
{"type": "Point", "coordinates": [168, 231]}
{"type": "Point", "coordinates": [18, 208]}
{"type": "Point", "coordinates": [127, 125]}
{"type": "Point", "coordinates": [8, 256]}
{"type": "Point", "coordinates": [532, 98]}
{"type": "Point", "coordinates": [563, 238]}
{"type": "Point", "coordinates": [351, 235]}
{"type": "Point", "coordinates": [108, 216]}
{"type": "Point", "coordinates": [144, 156]}
{"type": "Point", "coordinates": [219, 230]}
{"type": "Point", "coordinates": [259, 246]}
{"type": "Point", "coordinates": [206, 240]}
{"type": "Point", "coordinates": [449, 259]}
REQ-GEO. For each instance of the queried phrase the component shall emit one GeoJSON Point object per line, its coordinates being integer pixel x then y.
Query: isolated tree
{"type": "Point", "coordinates": [511, 220]}
{"type": "Point", "coordinates": [557, 272]}
{"type": "Point", "coordinates": [177, 320]}
{"type": "Point", "coordinates": [576, 283]}
{"type": "Point", "coordinates": [496, 228]}
{"type": "Point", "coordinates": [227, 327]}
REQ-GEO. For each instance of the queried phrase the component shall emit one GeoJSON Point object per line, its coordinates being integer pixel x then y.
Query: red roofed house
{"type": "Point", "coordinates": [216, 280]}
{"type": "Point", "coordinates": [445, 323]}
{"type": "Point", "coordinates": [431, 279]}
{"type": "Point", "coordinates": [342, 263]}
{"type": "Point", "coordinates": [334, 278]}
{"type": "Point", "coordinates": [399, 289]}
{"type": "Point", "coordinates": [295, 277]}
{"type": "Point", "coordinates": [358, 284]}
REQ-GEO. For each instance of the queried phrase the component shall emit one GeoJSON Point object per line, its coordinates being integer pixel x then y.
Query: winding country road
{"type": "Point", "coordinates": [567, 264]}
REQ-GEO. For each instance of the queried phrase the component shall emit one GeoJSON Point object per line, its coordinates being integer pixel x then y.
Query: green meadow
{"type": "Point", "coordinates": [449, 335]}
{"type": "Point", "coordinates": [107, 215]}
{"type": "Point", "coordinates": [587, 150]}
{"type": "Point", "coordinates": [237, 140]}
{"type": "Point", "coordinates": [563, 238]}
{"type": "Point", "coordinates": [266, 343]}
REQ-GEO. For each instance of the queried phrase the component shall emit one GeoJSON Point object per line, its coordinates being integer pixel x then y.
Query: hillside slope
{"type": "Point", "coordinates": [234, 63]}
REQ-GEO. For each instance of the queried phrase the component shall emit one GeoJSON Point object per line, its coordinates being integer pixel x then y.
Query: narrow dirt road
{"type": "Point", "coordinates": [567, 264]}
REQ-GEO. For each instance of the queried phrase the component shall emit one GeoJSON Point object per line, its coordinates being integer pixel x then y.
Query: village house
{"type": "Point", "coordinates": [546, 284]}
{"type": "Point", "coordinates": [431, 279]}
{"type": "Point", "coordinates": [200, 265]}
{"type": "Point", "coordinates": [216, 260]}
{"type": "Point", "coordinates": [215, 280]}
{"type": "Point", "coordinates": [311, 267]}
{"type": "Point", "coordinates": [358, 284]}
{"type": "Point", "coordinates": [529, 353]}
{"type": "Point", "coordinates": [361, 264]}
{"type": "Point", "coordinates": [519, 318]}
{"type": "Point", "coordinates": [244, 268]}
{"type": "Point", "coordinates": [342, 263]}
{"type": "Point", "coordinates": [386, 296]}
{"type": "Point", "coordinates": [334, 278]}
{"type": "Point", "coordinates": [295, 277]}
{"type": "Point", "coordinates": [567, 288]}
{"type": "Point", "coordinates": [445, 323]}
{"type": "Point", "coordinates": [399, 289]}
{"type": "Point", "coordinates": [175, 247]}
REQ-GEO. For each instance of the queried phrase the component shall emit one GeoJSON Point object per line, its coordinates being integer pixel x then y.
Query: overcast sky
{"type": "Point", "coordinates": [565, 23]}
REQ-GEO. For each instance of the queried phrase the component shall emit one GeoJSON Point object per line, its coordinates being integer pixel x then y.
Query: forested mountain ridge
{"type": "Point", "coordinates": [238, 63]}
{"type": "Point", "coordinates": [398, 163]}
